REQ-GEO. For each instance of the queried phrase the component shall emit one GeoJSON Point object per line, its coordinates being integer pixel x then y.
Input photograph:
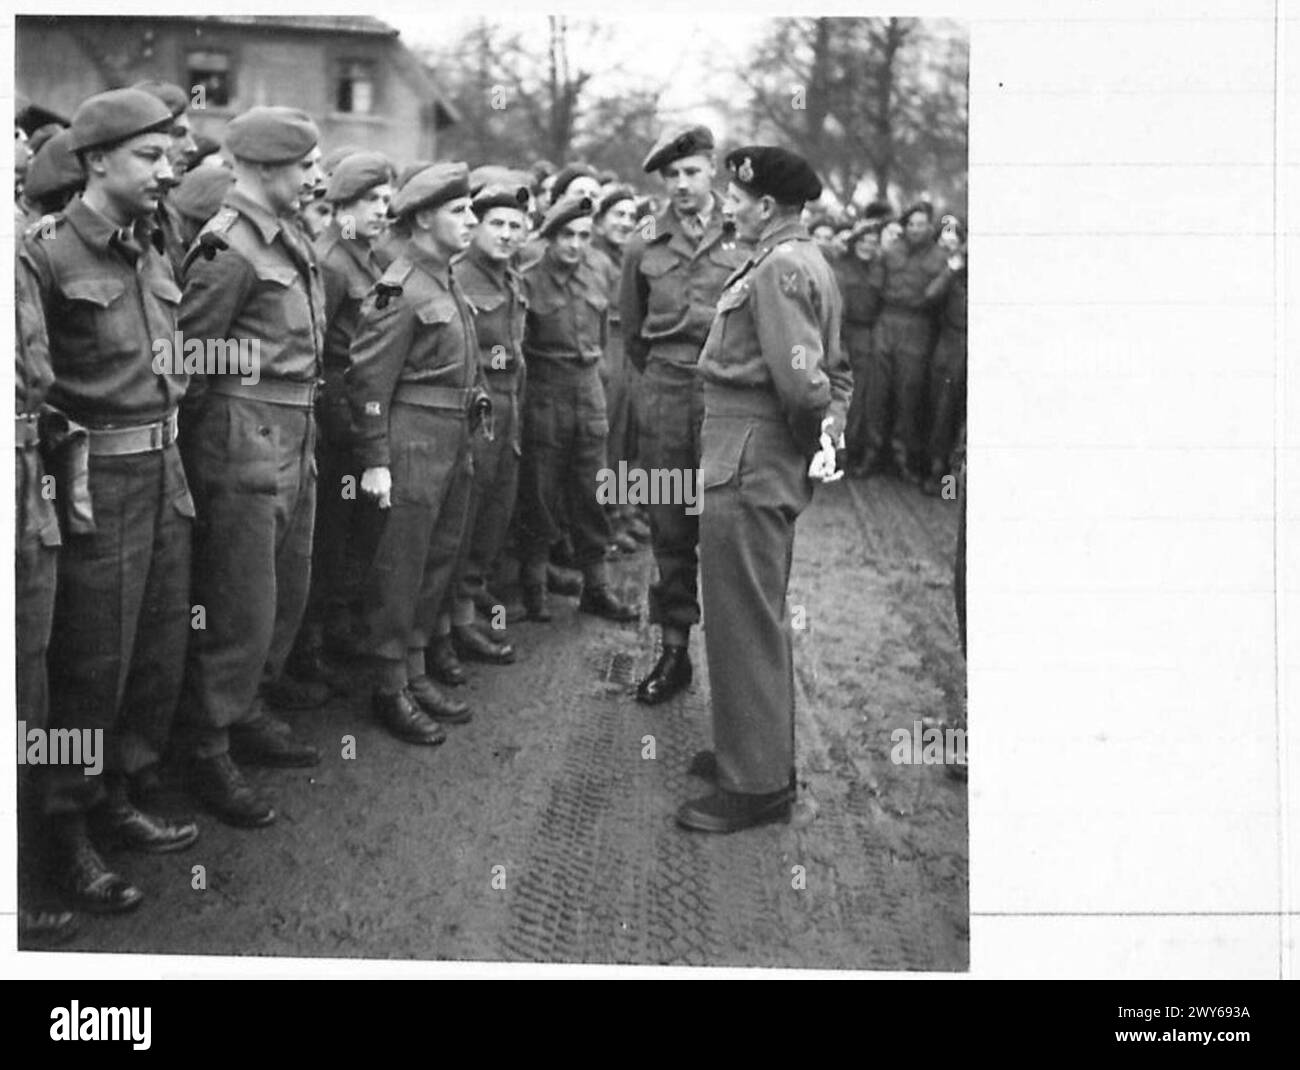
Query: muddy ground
{"type": "Point", "coordinates": [395, 854]}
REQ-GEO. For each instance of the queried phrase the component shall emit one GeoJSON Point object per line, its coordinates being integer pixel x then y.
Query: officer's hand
{"type": "Point", "coordinates": [823, 466]}
{"type": "Point", "coordinates": [378, 483]}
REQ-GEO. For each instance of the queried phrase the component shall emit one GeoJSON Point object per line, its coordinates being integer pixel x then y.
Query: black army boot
{"type": "Point", "coordinates": [599, 602]}
{"type": "Point", "coordinates": [672, 674]}
{"type": "Point", "coordinates": [82, 873]}
{"type": "Point", "coordinates": [220, 785]}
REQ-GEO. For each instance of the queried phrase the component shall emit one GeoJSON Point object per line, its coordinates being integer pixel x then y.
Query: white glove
{"type": "Point", "coordinates": [378, 484]}
{"type": "Point", "coordinates": [823, 463]}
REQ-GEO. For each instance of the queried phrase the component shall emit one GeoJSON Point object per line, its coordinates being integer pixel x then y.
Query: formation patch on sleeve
{"type": "Point", "coordinates": [790, 283]}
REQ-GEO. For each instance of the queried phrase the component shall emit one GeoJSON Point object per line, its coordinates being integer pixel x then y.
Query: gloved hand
{"type": "Point", "coordinates": [824, 466]}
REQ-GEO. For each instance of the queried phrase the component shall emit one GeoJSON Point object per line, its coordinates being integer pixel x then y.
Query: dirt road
{"type": "Point", "coordinates": [543, 831]}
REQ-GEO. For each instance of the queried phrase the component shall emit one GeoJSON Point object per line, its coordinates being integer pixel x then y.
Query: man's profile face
{"type": "Point", "coordinates": [133, 174]}
{"type": "Point", "coordinates": [748, 212]}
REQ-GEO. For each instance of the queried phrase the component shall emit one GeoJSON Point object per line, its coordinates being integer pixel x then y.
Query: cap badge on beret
{"type": "Point", "coordinates": [745, 172]}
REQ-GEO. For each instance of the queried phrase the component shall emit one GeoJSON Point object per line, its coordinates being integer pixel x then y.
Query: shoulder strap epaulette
{"type": "Point", "coordinates": [44, 227]}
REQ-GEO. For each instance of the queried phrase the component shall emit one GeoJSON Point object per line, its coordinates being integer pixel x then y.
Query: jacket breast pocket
{"type": "Point", "coordinates": [287, 293]}
{"type": "Point", "coordinates": [99, 311]}
{"type": "Point", "coordinates": [435, 347]}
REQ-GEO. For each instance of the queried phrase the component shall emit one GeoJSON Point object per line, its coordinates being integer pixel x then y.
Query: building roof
{"type": "Point", "coordinates": [358, 24]}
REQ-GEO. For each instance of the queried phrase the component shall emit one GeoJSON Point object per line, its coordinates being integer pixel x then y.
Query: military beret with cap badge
{"type": "Point", "coordinates": [433, 186]}
{"type": "Point", "coordinates": [565, 211]}
{"type": "Point", "coordinates": [114, 116]}
{"type": "Point", "coordinates": [676, 144]}
{"type": "Point", "coordinates": [770, 171]}
{"type": "Point", "coordinates": [566, 177]}
{"type": "Point", "coordinates": [271, 135]}
{"type": "Point", "coordinates": [500, 196]}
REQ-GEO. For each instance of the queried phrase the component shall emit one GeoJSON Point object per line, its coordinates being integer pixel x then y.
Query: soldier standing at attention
{"type": "Point", "coordinates": [178, 155]}
{"type": "Point", "coordinates": [251, 277]}
{"type": "Point", "coordinates": [495, 292]}
{"type": "Point", "coordinates": [673, 272]}
{"type": "Point", "coordinates": [776, 387]}
{"type": "Point", "coordinates": [901, 344]}
{"type": "Point", "coordinates": [122, 609]}
{"type": "Point", "coordinates": [414, 385]}
{"type": "Point", "coordinates": [565, 428]}
{"type": "Point", "coordinates": [947, 294]}
{"type": "Point", "coordinates": [360, 189]}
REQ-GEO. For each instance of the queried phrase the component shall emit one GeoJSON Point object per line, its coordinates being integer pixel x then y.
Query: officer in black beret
{"type": "Point", "coordinates": [122, 609]}
{"type": "Point", "coordinates": [252, 278]}
{"type": "Point", "coordinates": [565, 425]}
{"type": "Point", "coordinates": [776, 386]}
{"type": "Point", "coordinates": [674, 268]}
{"type": "Point", "coordinates": [416, 394]}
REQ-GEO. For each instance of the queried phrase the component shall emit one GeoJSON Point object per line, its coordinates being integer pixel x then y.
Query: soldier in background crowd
{"type": "Point", "coordinates": [861, 307]}
{"type": "Point", "coordinates": [360, 189]}
{"type": "Point", "coordinates": [178, 155]}
{"type": "Point", "coordinates": [776, 386]}
{"type": "Point", "coordinates": [612, 226]}
{"type": "Point", "coordinates": [54, 177]}
{"type": "Point", "coordinates": [672, 277]}
{"type": "Point", "coordinates": [250, 452]}
{"type": "Point", "coordinates": [947, 294]}
{"type": "Point", "coordinates": [36, 559]}
{"type": "Point", "coordinates": [198, 198]}
{"type": "Point", "coordinates": [495, 292]}
{"type": "Point", "coordinates": [901, 345]}
{"type": "Point", "coordinates": [122, 609]}
{"type": "Point", "coordinates": [415, 390]}
{"type": "Point", "coordinates": [565, 427]}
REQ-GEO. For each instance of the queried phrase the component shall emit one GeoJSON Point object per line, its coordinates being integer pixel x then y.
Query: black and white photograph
{"type": "Point", "coordinates": [491, 487]}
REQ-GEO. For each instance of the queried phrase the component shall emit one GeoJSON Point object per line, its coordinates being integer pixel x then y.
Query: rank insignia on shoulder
{"type": "Point", "coordinates": [385, 292]}
{"type": "Point", "coordinates": [372, 408]}
{"type": "Point", "coordinates": [790, 283]}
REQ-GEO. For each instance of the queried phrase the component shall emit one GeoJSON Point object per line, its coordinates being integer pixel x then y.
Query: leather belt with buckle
{"type": "Point", "coordinates": [299, 394]}
{"type": "Point", "coordinates": [433, 397]}
{"type": "Point", "coordinates": [121, 441]}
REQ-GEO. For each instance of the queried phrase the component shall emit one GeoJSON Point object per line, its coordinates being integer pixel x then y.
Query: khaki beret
{"type": "Point", "coordinates": [54, 169]}
{"type": "Point", "coordinates": [107, 118]}
{"type": "Point", "coordinates": [770, 171]}
{"type": "Point", "coordinates": [679, 142]}
{"type": "Point", "coordinates": [567, 210]}
{"type": "Point", "coordinates": [435, 185]}
{"type": "Point", "coordinates": [337, 155]}
{"type": "Point", "coordinates": [271, 135]}
{"type": "Point", "coordinates": [500, 196]}
{"type": "Point", "coordinates": [169, 93]}
{"type": "Point", "coordinates": [411, 170]}
{"type": "Point", "coordinates": [201, 192]}
{"type": "Point", "coordinates": [355, 174]}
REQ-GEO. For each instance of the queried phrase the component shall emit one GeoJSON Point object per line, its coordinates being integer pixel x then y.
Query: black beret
{"type": "Point", "coordinates": [867, 226]}
{"type": "Point", "coordinates": [769, 171]}
{"type": "Point", "coordinates": [54, 169]}
{"type": "Point", "coordinates": [169, 93]}
{"type": "Point", "coordinates": [107, 118]}
{"type": "Point", "coordinates": [612, 197]}
{"type": "Point", "coordinates": [878, 210]}
{"type": "Point", "coordinates": [565, 178]}
{"type": "Point", "coordinates": [677, 143]}
{"type": "Point", "coordinates": [201, 192]}
{"type": "Point", "coordinates": [500, 196]}
{"type": "Point", "coordinates": [435, 185]}
{"type": "Point", "coordinates": [271, 135]}
{"type": "Point", "coordinates": [354, 175]}
{"type": "Point", "coordinates": [567, 210]}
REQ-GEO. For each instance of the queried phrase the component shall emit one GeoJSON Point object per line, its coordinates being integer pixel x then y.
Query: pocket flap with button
{"type": "Point", "coordinates": [102, 292]}
{"type": "Point", "coordinates": [166, 290]}
{"type": "Point", "coordinates": [723, 447]}
{"type": "Point", "coordinates": [487, 302]}
{"type": "Point", "coordinates": [280, 274]}
{"type": "Point", "coordinates": [436, 312]}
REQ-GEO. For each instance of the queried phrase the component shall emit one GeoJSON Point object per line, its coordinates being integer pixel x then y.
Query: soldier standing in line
{"type": "Point", "coordinates": [360, 188]}
{"type": "Point", "coordinates": [776, 387]}
{"type": "Point", "coordinates": [901, 344]}
{"type": "Point", "coordinates": [122, 609]}
{"type": "Point", "coordinates": [673, 273]}
{"type": "Point", "coordinates": [36, 560]}
{"type": "Point", "coordinates": [178, 155]}
{"type": "Point", "coordinates": [858, 287]}
{"type": "Point", "coordinates": [565, 428]}
{"type": "Point", "coordinates": [612, 224]}
{"type": "Point", "coordinates": [495, 292]}
{"type": "Point", "coordinates": [250, 450]}
{"type": "Point", "coordinates": [54, 177]}
{"type": "Point", "coordinates": [416, 391]}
